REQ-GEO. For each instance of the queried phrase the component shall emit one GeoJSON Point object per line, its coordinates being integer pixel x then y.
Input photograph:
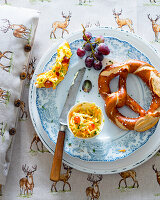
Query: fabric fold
{"type": "Point", "coordinates": [17, 31]}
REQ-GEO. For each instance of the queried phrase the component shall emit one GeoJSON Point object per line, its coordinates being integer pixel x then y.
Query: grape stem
{"type": "Point", "coordinates": [88, 41]}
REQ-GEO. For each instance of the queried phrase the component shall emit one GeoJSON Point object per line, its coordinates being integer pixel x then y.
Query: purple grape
{"type": "Point", "coordinates": [94, 45]}
{"type": "Point", "coordinates": [89, 61]}
{"type": "Point", "coordinates": [103, 48]}
{"type": "Point", "coordinates": [81, 52]}
{"type": "Point", "coordinates": [97, 65]}
{"type": "Point", "coordinates": [99, 39]}
{"type": "Point", "coordinates": [87, 47]}
{"type": "Point", "coordinates": [88, 35]}
{"type": "Point", "coordinates": [98, 55]}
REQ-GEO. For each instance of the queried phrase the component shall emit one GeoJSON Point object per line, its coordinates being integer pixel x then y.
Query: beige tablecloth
{"type": "Point", "coordinates": [90, 13]}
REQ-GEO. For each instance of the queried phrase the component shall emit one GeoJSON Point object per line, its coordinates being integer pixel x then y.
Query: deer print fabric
{"type": "Point", "coordinates": [13, 37]}
{"type": "Point", "coordinates": [31, 162]}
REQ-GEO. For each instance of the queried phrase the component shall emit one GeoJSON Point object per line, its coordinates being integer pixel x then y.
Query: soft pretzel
{"type": "Point", "coordinates": [115, 100]}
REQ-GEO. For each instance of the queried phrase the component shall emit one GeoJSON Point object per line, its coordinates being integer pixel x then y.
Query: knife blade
{"type": "Point", "coordinates": [71, 97]}
{"type": "Point", "coordinates": [70, 100]}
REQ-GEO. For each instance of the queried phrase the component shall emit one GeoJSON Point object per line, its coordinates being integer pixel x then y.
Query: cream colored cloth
{"type": "Point", "coordinates": [17, 29]}
{"type": "Point", "coordinates": [92, 14]}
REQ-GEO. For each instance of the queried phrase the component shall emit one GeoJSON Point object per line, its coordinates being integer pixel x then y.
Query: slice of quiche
{"type": "Point", "coordinates": [54, 76]}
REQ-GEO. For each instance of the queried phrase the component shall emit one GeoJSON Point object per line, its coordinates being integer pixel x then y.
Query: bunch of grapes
{"type": "Point", "coordinates": [97, 50]}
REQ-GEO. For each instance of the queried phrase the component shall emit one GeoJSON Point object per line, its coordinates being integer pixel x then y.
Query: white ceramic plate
{"type": "Point", "coordinates": [46, 105]}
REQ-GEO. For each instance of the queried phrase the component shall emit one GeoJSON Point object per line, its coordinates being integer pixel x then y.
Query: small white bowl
{"type": "Point", "coordinates": [85, 105]}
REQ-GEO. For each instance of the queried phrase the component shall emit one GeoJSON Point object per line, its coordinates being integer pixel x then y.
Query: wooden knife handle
{"type": "Point", "coordinates": [57, 159]}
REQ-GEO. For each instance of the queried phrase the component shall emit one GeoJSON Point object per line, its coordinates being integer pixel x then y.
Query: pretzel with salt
{"type": "Point", "coordinates": [115, 100]}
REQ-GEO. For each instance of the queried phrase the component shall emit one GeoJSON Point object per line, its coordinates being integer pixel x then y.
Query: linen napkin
{"type": "Point", "coordinates": [17, 31]}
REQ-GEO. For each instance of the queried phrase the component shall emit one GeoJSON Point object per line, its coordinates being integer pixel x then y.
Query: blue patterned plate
{"type": "Point", "coordinates": [46, 104]}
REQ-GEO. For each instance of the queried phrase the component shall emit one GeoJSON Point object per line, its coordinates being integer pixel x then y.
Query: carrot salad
{"type": "Point", "coordinates": [85, 120]}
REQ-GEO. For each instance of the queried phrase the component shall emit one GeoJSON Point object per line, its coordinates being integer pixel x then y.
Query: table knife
{"type": "Point", "coordinates": [70, 100]}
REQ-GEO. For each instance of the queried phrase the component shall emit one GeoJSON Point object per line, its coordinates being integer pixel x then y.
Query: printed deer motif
{"type": "Point", "coordinates": [19, 31]}
{"type": "Point", "coordinates": [64, 178]}
{"type": "Point", "coordinates": [123, 22]}
{"type": "Point", "coordinates": [2, 128]}
{"type": "Point", "coordinates": [89, 24]}
{"type": "Point", "coordinates": [2, 55]}
{"type": "Point", "coordinates": [27, 183]}
{"type": "Point", "coordinates": [61, 25]}
{"type": "Point", "coordinates": [93, 191]}
{"type": "Point", "coordinates": [155, 27]}
{"type": "Point", "coordinates": [157, 174]}
{"type": "Point", "coordinates": [30, 68]}
{"type": "Point", "coordinates": [4, 96]}
{"type": "Point", "coordinates": [128, 174]}
{"type": "Point", "coordinates": [97, 24]}
{"type": "Point", "coordinates": [4, 67]}
{"type": "Point", "coordinates": [36, 140]}
{"type": "Point", "coordinates": [23, 111]}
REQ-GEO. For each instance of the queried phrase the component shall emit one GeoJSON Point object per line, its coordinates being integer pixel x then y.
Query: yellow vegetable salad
{"type": "Point", "coordinates": [85, 120]}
